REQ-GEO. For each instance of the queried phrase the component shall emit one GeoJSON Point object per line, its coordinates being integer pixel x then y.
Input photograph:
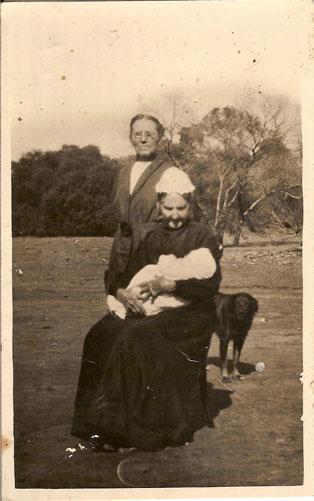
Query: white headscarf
{"type": "Point", "coordinates": [174, 180]}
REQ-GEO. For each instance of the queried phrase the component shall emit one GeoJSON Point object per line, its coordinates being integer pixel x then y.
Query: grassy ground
{"type": "Point", "coordinates": [257, 439]}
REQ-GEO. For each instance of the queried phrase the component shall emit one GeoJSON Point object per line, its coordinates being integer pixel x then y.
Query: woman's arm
{"type": "Point", "coordinates": [195, 290]}
{"type": "Point", "coordinates": [156, 286]}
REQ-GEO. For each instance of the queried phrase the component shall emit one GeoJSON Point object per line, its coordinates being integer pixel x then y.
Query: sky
{"type": "Point", "coordinates": [77, 72]}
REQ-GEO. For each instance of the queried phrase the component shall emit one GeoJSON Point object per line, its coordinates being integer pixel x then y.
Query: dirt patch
{"type": "Point", "coordinates": [257, 439]}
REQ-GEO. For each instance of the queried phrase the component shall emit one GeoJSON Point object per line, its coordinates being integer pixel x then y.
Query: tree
{"type": "Point", "coordinates": [64, 192]}
{"type": "Point", "coordinates": [174, 112]}
{"type": "Point", "coordinates": [31, 176]}
{"type": "Point", "coordinates": [246, 163]}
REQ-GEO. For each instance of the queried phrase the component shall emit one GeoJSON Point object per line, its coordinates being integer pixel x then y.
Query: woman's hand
{"type": "Point", "coordinates": [157, 286]}
{"type": "Point", "coordinates": [131, 298]}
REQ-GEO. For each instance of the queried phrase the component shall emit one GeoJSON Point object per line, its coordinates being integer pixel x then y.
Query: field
{"type": "Point", "coordinates": [257, 439]}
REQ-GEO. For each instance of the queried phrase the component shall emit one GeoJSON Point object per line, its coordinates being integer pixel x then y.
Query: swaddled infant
{"type": "Point", "coordinates": [198, 264]}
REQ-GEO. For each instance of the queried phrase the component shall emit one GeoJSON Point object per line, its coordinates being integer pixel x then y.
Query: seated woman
{"type": "Point", "coordinates": [143, 382]}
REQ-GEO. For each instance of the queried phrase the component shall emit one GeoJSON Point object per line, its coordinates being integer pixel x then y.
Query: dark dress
{"type": "Point", "coordinates": [131, 211]}
{"type": "Point", "coordinates": [143, 379]}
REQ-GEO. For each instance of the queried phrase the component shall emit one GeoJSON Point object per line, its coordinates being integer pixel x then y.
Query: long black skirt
{"type": "Point", "coordinates": [143, 379]}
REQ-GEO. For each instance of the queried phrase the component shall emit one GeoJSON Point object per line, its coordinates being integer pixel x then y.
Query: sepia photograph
{"type": "Point", "coordinates": [153, 214]}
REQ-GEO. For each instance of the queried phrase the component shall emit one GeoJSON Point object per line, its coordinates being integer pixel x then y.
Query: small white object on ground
{"type": "Point", "coordinates": [70, 449]}
{"type": "Point", "coordinates": [260, 366]}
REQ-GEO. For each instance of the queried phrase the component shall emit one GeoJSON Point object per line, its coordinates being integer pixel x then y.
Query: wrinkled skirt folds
{"type": "Point", "coordinates": [143, 379]}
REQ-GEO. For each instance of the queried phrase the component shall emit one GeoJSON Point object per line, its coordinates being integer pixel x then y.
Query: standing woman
{"type": "Point", "coordinates": [134, 200]}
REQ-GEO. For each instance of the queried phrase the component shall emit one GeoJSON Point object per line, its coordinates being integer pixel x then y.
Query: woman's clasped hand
{"type": "Point", "coordinates": [133, 298]}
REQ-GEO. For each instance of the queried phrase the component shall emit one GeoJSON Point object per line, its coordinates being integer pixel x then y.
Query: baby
{"type": "Point", "coordinates": [198, 264]}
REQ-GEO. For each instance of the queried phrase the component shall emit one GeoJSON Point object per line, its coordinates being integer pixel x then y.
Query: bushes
{"type": "Point", "coordinates": [65, 192]}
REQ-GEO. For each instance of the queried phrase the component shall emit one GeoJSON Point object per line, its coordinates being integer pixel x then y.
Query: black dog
{"type": "Point", "coordinates": [235, 313]}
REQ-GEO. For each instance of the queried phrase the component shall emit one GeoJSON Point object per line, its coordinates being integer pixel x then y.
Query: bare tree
{"type": "Point", "coordinates": [174, 112]}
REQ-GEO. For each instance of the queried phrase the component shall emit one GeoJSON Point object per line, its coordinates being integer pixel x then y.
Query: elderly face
{"type": "Point", "coordinates": [144, 137]}
{"type": "Point", "coordinates": [174, 209]}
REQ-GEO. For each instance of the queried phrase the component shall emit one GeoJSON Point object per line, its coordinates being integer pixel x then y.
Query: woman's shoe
{"type": "Point", "coordinates": [107, 448]}
{"type": "Point", "coordinates": [126, 450]}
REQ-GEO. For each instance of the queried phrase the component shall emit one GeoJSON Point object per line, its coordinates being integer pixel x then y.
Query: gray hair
{"type": "Point", "coordinates": [160, 128]}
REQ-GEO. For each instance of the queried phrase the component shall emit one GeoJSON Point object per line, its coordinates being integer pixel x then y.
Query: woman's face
{"type": "Point", "coordinates": [144, 137]}
{"type": "Point", "coordinates": [174, 209]}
